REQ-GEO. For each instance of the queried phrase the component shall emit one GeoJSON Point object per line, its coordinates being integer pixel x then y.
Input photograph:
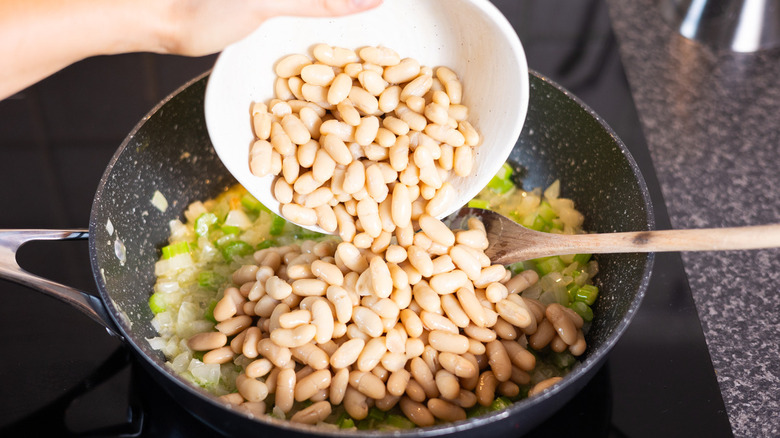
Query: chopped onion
{"type": "Point", "coordinates": [157, 343]}
{"type": "Point", "coordinates": [553, 191]}
{"type": "Point", "coordinates": [237, 218]}
{"type": "Point", "coordinates": [159, 201]}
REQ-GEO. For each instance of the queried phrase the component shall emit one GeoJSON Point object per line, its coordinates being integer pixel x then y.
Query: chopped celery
{"type": "Point", "coordinates": [505, 172]}
{"type": "Point", "coordinates": [398, 422]}
{"type": "Point", "coordinates": [479, 203]}
{"type": "Point", "coordinates": [536, 223]}
{"type": "Point", "coordinates": [587, 294]}
{"type": "Point", "coordinates": [376, 414]}
{"type": "Point", "coordinates": [582, 259]}
{"type": "Point", "coordinates": [204, 222]}
{"type": "Point", "coordinates": [582, 309]}
{"type": "Point", "coordinates": [346, 423]}
{"type": "Point", "coordinates": [251, 203]}
{"type": "Point", "coordinates": [237, 248]}
{"type": "Point", "coordinates": [367, 423]}
{"type": "Point", "coordinates": [157, 303]}
{"type": "Point", "coordinates": [542, 224]}
{"type": "Point", "coordinates": [230, 229]}
{"type": "Point", "coordinates": [546, 212]}
{"type": "Point", "coordinates": [267, 244]}
{"type": "Point", "coordinates": [277, 225]}
{"type": "Point", "coordinates": [500, 186]}
{"type": "Point", "coordinates": [501, 182]}
{"type": "Point", "coordinates": [304, 234]}
{"type": "Point", "coordinates": [175, 249]}
{"type": "Point", "coordinates": [210, 280]}
{"type": "Point", "coordinates": [500, 403]}
{"type": "Point", "coordinates": [550, 264]}
{"type": "Point", "coordinates": [567, 258]}
{"type": "Point", "coordinates": [572, 289]}
{"type": "Point", "coordinates": [477, 411]}
{"type": "Point", "coordinates": [563, 360]}
{"type": "Point", "coordinates": [516, 268]}
{"type": "Point", "coordinates": [209, 314]}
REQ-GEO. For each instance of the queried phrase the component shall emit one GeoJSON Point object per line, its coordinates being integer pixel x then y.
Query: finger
{"type": "Point", "coordinates": [318, 8]}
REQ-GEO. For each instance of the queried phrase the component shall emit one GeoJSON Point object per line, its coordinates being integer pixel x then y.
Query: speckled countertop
{"type": "Point", "coordinates": [712, 122]}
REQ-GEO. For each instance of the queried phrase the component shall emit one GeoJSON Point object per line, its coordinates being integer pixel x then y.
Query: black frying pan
{"type": "Point", "coordinates": [169, 151]}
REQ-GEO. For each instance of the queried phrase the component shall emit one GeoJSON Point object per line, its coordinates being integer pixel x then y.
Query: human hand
{"type": "Point", "coordinates": [201, 27]}
{"type": "Point", "coordinates": [38, 38]}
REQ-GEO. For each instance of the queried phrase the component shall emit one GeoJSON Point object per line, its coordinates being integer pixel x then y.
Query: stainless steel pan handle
{"type": "Point", "coordinates": [12, 240]}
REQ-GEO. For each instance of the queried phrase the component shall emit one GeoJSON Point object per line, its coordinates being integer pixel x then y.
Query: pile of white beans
{"type": "Point", "coordinates": [426, 323]}
{"type": "Point", "coordinates": [363, 142]}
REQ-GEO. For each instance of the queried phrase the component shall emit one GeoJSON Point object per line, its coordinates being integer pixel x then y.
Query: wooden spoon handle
{"type": "Point", "coordinates": [704, 239]}
{"type": "Point", "coordinates": [512, 247]}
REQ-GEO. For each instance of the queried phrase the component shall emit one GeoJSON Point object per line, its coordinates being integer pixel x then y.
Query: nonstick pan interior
{"type": "Point", "coordinates": [170, 152]}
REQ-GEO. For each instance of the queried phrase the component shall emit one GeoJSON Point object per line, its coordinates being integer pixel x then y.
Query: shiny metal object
{"type": "Point", "coordinates": [738, 25]}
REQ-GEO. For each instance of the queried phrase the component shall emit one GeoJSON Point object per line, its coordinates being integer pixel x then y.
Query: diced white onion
{"type": "Point", "coordinates": [237, 218]}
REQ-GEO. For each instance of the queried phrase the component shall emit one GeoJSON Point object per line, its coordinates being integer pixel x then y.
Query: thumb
{"type": "Point", "coordinates": [317, 8]}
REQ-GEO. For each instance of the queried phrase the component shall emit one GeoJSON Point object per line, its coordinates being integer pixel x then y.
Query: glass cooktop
{"type": "Point", "coordinates": [64, 375]}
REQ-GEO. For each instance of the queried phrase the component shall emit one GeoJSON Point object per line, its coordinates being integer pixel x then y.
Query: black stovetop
{"type": "Point", "coordinates": [63, 374]}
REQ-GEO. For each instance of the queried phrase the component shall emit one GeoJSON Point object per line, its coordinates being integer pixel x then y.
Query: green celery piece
{"type": "Point", "coordinates": [546, 211]}
{"type": "Point", "coordinates": [304, 234]}
{"type": "Point", "coordinates": [540, 224]}
{"type": "Point", "coordinates": [587, 294]}
{"type": "Point", "coordinates": [500, 403]}
{"type": "Point", "coordinates": [376, 414]}
{"type": "Point", "coordinates": [277, 225]}
{"type": "Point", "coordinates": [479, 203]}
{"type": "Point", "coordinates": [175, 249]}
{"type": "Point", "coordinates": [267, 244]}
{"type": "Point", "coordinates": [251, 203]}
{"type": "Point", "coordinates": [230, 229]}
{"type": "Point", "coordinates": [505, 172]}
{"type": "Point", "coordinates": [500, 186]}
{"type": "Point", "coordinates": [572, 289]}
{"type": "Point", "coordinates": [235, 249]}
{"type": "Point", "coordinates": [204, 222]}
{"type": "Point", "coordinates": [528, 220]}
{"type": "Point", "coordinates": [583, 310]}
{"type": "Point", "coordinates": [210, 280]}
{"type": "Point", "coordinates": [517, 268]}
{"type": "Point", "coordinates": [198, 355]}
{"type": "Point", "coordinates": [563, 360]}
{"type": "Point", "coordinates": [477, 411]}
{"type": "Point", "coordinates": [209, 314]}
{"type": "Point", "coordinates": [550, 264]}
{"type": "Point", "coordinates": [157, 303]}
{"type": "Point", "coordinates": [399, 422]}
{"type": "Point", "coordinates": [501, 182]}
{"type": "Point", "coordinates": [582, 259]}
{"type": "Point", "coordinates": [346, 423]}
{"type": "Point", "coordinates": [567, 258]}
{"type": "Point", "coordinates": [367, 423]}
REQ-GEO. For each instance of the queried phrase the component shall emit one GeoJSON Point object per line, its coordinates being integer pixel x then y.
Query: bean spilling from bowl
{"type": "Point", "coordinates": [363, 142]}
{"type": "Point", "coordinates": [427, 324]}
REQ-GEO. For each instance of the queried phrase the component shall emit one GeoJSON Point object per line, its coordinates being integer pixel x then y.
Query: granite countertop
{"type": "Point", "coordinates": [712, 122]}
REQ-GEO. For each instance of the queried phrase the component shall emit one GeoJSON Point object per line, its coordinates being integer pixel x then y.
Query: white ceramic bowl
{"type": "Point", "coordinates": [471, 37]}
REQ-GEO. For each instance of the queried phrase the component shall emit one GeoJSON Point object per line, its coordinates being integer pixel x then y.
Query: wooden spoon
{"type": "Point", "coordinates": [511, 242]}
